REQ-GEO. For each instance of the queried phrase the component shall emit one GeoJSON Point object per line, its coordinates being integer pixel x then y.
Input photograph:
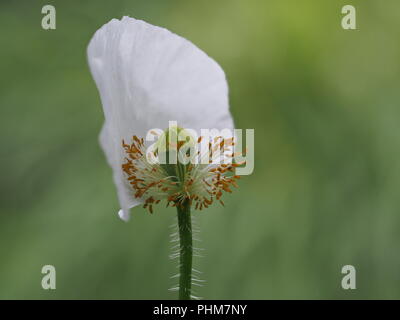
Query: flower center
{"type": "Point", "coordinates": [201, 182]}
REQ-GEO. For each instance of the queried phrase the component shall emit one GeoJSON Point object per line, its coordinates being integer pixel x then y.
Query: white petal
{"type": "Point", "coordinates": [146, 77]}
{"type": "Point", "coordinates": [124, 214]}
{"type": "Point", "coordinates": [124, 192]}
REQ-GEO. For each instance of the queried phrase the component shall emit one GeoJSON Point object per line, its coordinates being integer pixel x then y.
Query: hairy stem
{"type": "Point", "coordinates": [186, 250]}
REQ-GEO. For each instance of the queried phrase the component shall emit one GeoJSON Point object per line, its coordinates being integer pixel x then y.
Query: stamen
{"type": "Point", "coordinates": [201, 183]}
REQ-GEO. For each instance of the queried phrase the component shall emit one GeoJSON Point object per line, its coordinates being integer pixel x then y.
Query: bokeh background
{"type": "Point", "coordinates": [324, 103]}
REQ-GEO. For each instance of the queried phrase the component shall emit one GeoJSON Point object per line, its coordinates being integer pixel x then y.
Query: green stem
{"type": "Point", "coordinates": [186, 250]}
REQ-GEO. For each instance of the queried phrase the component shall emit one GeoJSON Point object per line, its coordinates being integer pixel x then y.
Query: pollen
{"type": "Point", "coordinates": [202, 182]}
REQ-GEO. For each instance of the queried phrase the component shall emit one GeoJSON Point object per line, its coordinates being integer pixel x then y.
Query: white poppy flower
{"type": "Point", "coordinates": [146, 77]}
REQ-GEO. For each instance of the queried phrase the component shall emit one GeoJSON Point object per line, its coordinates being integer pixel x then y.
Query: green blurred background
{"type": "Point", "coordinates": [324, 103]}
